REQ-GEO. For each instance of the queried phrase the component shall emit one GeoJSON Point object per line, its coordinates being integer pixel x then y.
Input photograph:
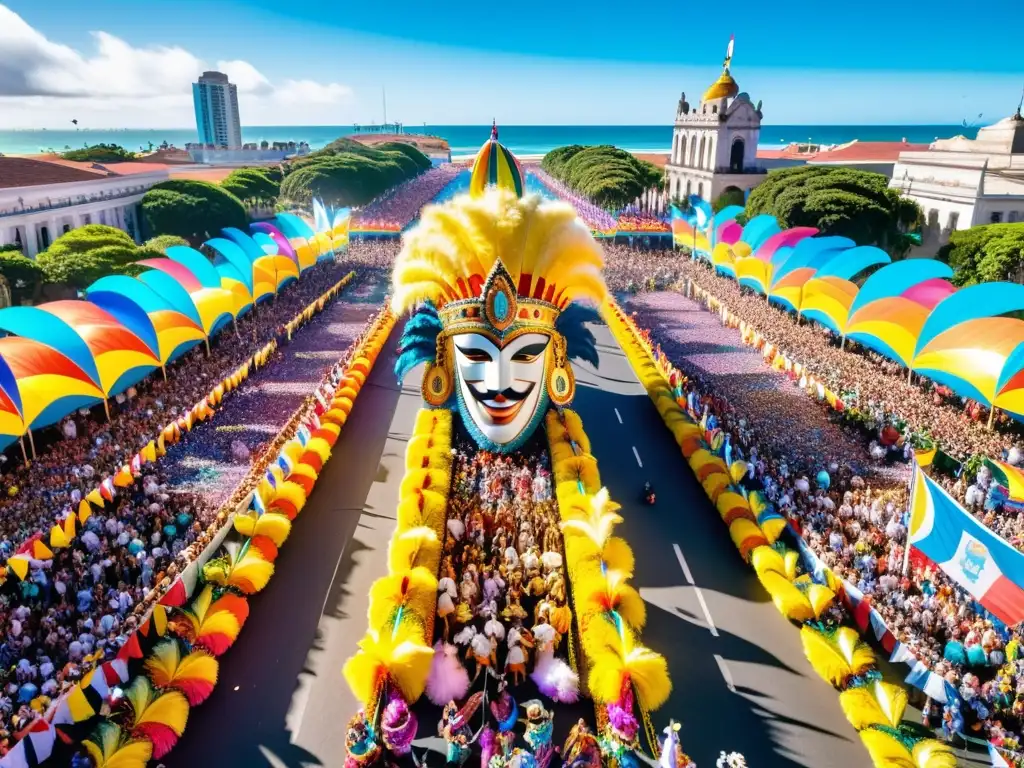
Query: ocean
{"type": "Point", "coordinates": [466, 139]}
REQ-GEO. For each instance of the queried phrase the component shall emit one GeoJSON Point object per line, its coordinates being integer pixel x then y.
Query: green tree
{"type": "Point", "coordinates": [22, 273]}
{"type": "Point", "coordinates": [111, 242]}
{"type": "Point", "coordinates": [608, 176]}
{"type": "Point", "coordinates": [837, 201]}
{"type": "Point", "coordinates": [99, 153]}
{"type": "Point", "coordinates": [986, 253]}
{"type": "Point", "coordinates": [193, 210]}
{"type": "Point", "coordinates": [79, 271]}
{"type": "Point", "coordinates": [162, 242]}
{"type": "Point", "coordinates": [253, 184]}
{"type": "Point", "coordinates": [729, 196]}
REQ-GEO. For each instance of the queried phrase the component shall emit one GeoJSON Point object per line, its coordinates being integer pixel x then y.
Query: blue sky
{"type": "Point", "coordinates": [539, 62]}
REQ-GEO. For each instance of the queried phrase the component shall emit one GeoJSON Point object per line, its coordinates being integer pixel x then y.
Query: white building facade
{"type": "Point", "coordinates": [714, 145]}
{"type": "Point", "coordinates": [32, 217]}
{"type": "Point", "coordinates": [216, 105]}
{"type": "Point", "coordinates": [961, 183]}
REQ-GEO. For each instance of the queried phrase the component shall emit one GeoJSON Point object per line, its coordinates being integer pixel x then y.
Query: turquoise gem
{"type": "Point", "coordinates": [500, 307]}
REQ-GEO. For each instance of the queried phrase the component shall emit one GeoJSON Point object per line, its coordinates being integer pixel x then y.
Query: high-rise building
{"type": "Point", "coordinates": [216, 102]}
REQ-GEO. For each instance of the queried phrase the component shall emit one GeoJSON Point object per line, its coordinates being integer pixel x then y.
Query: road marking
{"type": "Point", "coordinates": [618, 415]}
{"type": "Point", "coordinates": [696, 589]}
{"type": "Point", "coordinates": [682, 563]}
{"type": "Point", "coordinates": [726, 674]}
{"type": "Point", "coordinates": [637, 457]}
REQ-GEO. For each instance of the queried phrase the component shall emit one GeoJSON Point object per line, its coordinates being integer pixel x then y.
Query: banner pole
{"type": "Point", "coordinates": [910, 515]}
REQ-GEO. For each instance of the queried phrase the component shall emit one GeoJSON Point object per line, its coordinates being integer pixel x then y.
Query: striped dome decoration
{"type": "Point", "coordinates": [495, 166]}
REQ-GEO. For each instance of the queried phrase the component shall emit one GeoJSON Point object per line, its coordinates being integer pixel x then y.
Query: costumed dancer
{"type": "Point", "coordinates": [539, 729]}
{"type": "Point", "coordinates": [448, 679]}
{"type": "Point", "coordinates": [398, 725]}
{"type": "Point", "coordinates": [447, 592]}
{"type": "Point", "coordinates": [361, 742]}
{"type": "Point", "coordinates": [553, 676]}
{"type": "Point", "coordinates": [581, 749]}
{"type": "Point", "coordinates": [672, 755]}
{"type": "Point", "coordinates": [519, 642]}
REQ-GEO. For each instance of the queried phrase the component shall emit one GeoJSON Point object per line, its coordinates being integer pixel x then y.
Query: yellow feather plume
{"type": "Point", "coordinates": [415, 589]}
{"type": "Point", "coordinates": [574, 427]}
{"type": "Point", "coordinates": [467, 235]}
{"type": "Point", "coordinates": [560, 451]}
{"type": "Point", "coordinates": [646, 669]}
{"type": "Point", "coordinates": [599, 522]}
{"type": "Point", "coordinates": [428, 420]}
{"type": "Point", "coordinates": [618, 555]}
{"type": "Point", "coordinates": [885, 751]}
{"type": "Point", "coordinates": [424, 479]}
{"type": "Point", "coordinates": [615, 594]}
{"type": "Point", "coordinates": [745, 534]}
{"type": "Point", "coordinates": [581, 467]}
{"type": "Point", "coordinates": [556, 430]}
{"type": "Point", "coordinates": [423, 508]}
{"type": "Point", "coordinates": [403, 657]}
{"type": "Point", "coordinates": [242, 568]}
{"type": "Point", "coordinates": [110, 747]}
{"type": "Point", "coordinates": [273, 525]}
{"type": "Point", "coordinates": [838, 657]}
{"type": "Point", "coordinates": [878, 703]}
{"type": "Point", "coordinates": [291, 492]}
{"type": "Point", "coordinates": [169, 708]}
{"type": "Point", "coordinates": [766, 559]}
{"type": "Point", "coordinates": [791, 602]}
{"type": "Point", "coordinates": [931, 753]}
{"type": "Point", "coordinates": [412, 548]}
{"type": "Point", "coordinates": [792, 561]}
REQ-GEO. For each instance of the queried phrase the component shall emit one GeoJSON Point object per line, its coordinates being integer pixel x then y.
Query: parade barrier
{"type": "Point", "coordinates": [609, 612]}
{"type": "Point", "coordinates": [396, 653]}
{"type": "Point", "coordinates": [64, 532]}
{"type": "Point", "coordinates": [143, 697]}
{"type": "Point", "coordinates": [836, 652]}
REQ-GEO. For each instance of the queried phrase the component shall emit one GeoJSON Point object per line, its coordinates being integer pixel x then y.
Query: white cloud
{"type": "Point", "coordinates": [44, 83]}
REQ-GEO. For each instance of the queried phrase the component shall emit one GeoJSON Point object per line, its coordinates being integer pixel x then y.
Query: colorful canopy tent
{"type": "Point", "coordinates": [333, 225]}
{"type": "Point", "coordinates": [301, 237]}
{"type": "Point", "coordinates": [11, 423]}
{"type": "Point", "coordinates": [211, 307]}
{"type": "Point", "coordinates": [148, 314]}
{"type": "Point", "coordinates": [907, 311]}
{"type": "Point", "coordinates": [249, 261]}
{"type": "Point", "coordinates": [50, 385]}
{"type": "Point", "coordinates": [210, 278]}
{"type": "Point", "coordinates": [122, 358]}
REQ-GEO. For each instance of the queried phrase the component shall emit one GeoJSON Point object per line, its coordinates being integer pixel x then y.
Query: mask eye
{"type": "Point", "coordinates": [529, 353]}
{"type": "Point", "coordinates": [475, 355]}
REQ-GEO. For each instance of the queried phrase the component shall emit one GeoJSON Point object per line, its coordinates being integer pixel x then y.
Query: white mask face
{"type": "Point", "coordinates": [501, 387]}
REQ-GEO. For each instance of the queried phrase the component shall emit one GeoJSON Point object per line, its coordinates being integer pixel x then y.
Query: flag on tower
{"type": "Point", "coordinates": [729, 50]}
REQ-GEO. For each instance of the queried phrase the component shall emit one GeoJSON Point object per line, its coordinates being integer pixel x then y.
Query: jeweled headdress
{"type": "Point", "coordinates": [501, 287]}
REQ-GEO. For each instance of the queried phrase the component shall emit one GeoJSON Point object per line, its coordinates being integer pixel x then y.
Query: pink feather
{"type": "Point", "coordinates": [448, 680]}
{"type": "Point", "coordinates": [555, 679]}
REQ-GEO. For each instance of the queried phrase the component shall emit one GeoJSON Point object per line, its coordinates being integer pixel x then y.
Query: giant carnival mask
{"type": "Point", "coordinates": [493, 281]}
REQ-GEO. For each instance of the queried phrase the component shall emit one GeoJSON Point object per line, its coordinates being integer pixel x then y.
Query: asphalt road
{"type": "Point", "coordinates": [740, 679]}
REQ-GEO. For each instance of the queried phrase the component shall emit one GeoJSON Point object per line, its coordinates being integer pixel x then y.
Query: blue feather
{"type": "Point", "coordinates": [579, 340]}
{"type": "Point", "coordinates": [409, 359]}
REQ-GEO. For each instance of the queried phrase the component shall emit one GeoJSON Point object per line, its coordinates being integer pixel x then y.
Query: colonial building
{"type": "Point", "coordinates": [714, 144]}
{"type": "Point", "coordinates": [961, 183]}
{"type": "Point", "coordinates": [40, 200]}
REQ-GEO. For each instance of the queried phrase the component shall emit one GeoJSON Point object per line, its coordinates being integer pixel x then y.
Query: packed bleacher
{"type": "Point", "coordinates": [76, 609]}
{"type": "Point", "coordinates": [393, 210]}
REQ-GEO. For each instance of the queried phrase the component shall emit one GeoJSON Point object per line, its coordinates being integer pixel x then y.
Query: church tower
{"type": "Point", "coordinates": [714, 145]}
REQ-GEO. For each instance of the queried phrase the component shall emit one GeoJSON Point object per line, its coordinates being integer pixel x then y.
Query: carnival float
{"type": "Point", "coordinates": [506, 630]}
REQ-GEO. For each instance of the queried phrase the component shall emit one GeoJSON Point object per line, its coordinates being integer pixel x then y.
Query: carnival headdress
{"type": "Point", "coordinates": [500, 266]}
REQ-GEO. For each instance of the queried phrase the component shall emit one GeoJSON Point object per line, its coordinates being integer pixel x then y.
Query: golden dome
{"type": "Point", "coordinates": [724, 87]}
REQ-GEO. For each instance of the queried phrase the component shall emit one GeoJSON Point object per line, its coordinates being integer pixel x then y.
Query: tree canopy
{"type": "Point", "coordinates": [22, 273]}
{"type": "Point", "coordinates": [346, 172]}
{"type": "Point", "coordinates": [837, 201]}
{"type": "Point", "coordinates": [254, 183]}
{"type": "Point", "coordinates": [193, 210]}
{"type": "Point", "coordinates": [83, 255]}
{"type": "Point", "coordinates": [99, 153]}
{"type": "Point", "coordinates": [987, 253]}
{"type": "Point", "coordinates": [608, 176]}
{"type": "Point", "coordinates": [729, 196]}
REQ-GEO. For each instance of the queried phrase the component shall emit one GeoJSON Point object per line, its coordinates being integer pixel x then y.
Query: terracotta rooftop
{"type": "Point", "coordinates": [853, 152]}
{"type": "Point", "coordinates": [25, 172]}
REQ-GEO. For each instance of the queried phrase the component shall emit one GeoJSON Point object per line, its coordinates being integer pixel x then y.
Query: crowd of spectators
{"type": "Point", "coordinates": [393, 210]}
{"type": "Point", "coordinates": [853, 519]}
{"type": "Point", "coordinates": [877, 385]}
{"type": "Point", "coordinates": [79, 607]}
{"type": "Point", "coordinates": [596, 217]}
